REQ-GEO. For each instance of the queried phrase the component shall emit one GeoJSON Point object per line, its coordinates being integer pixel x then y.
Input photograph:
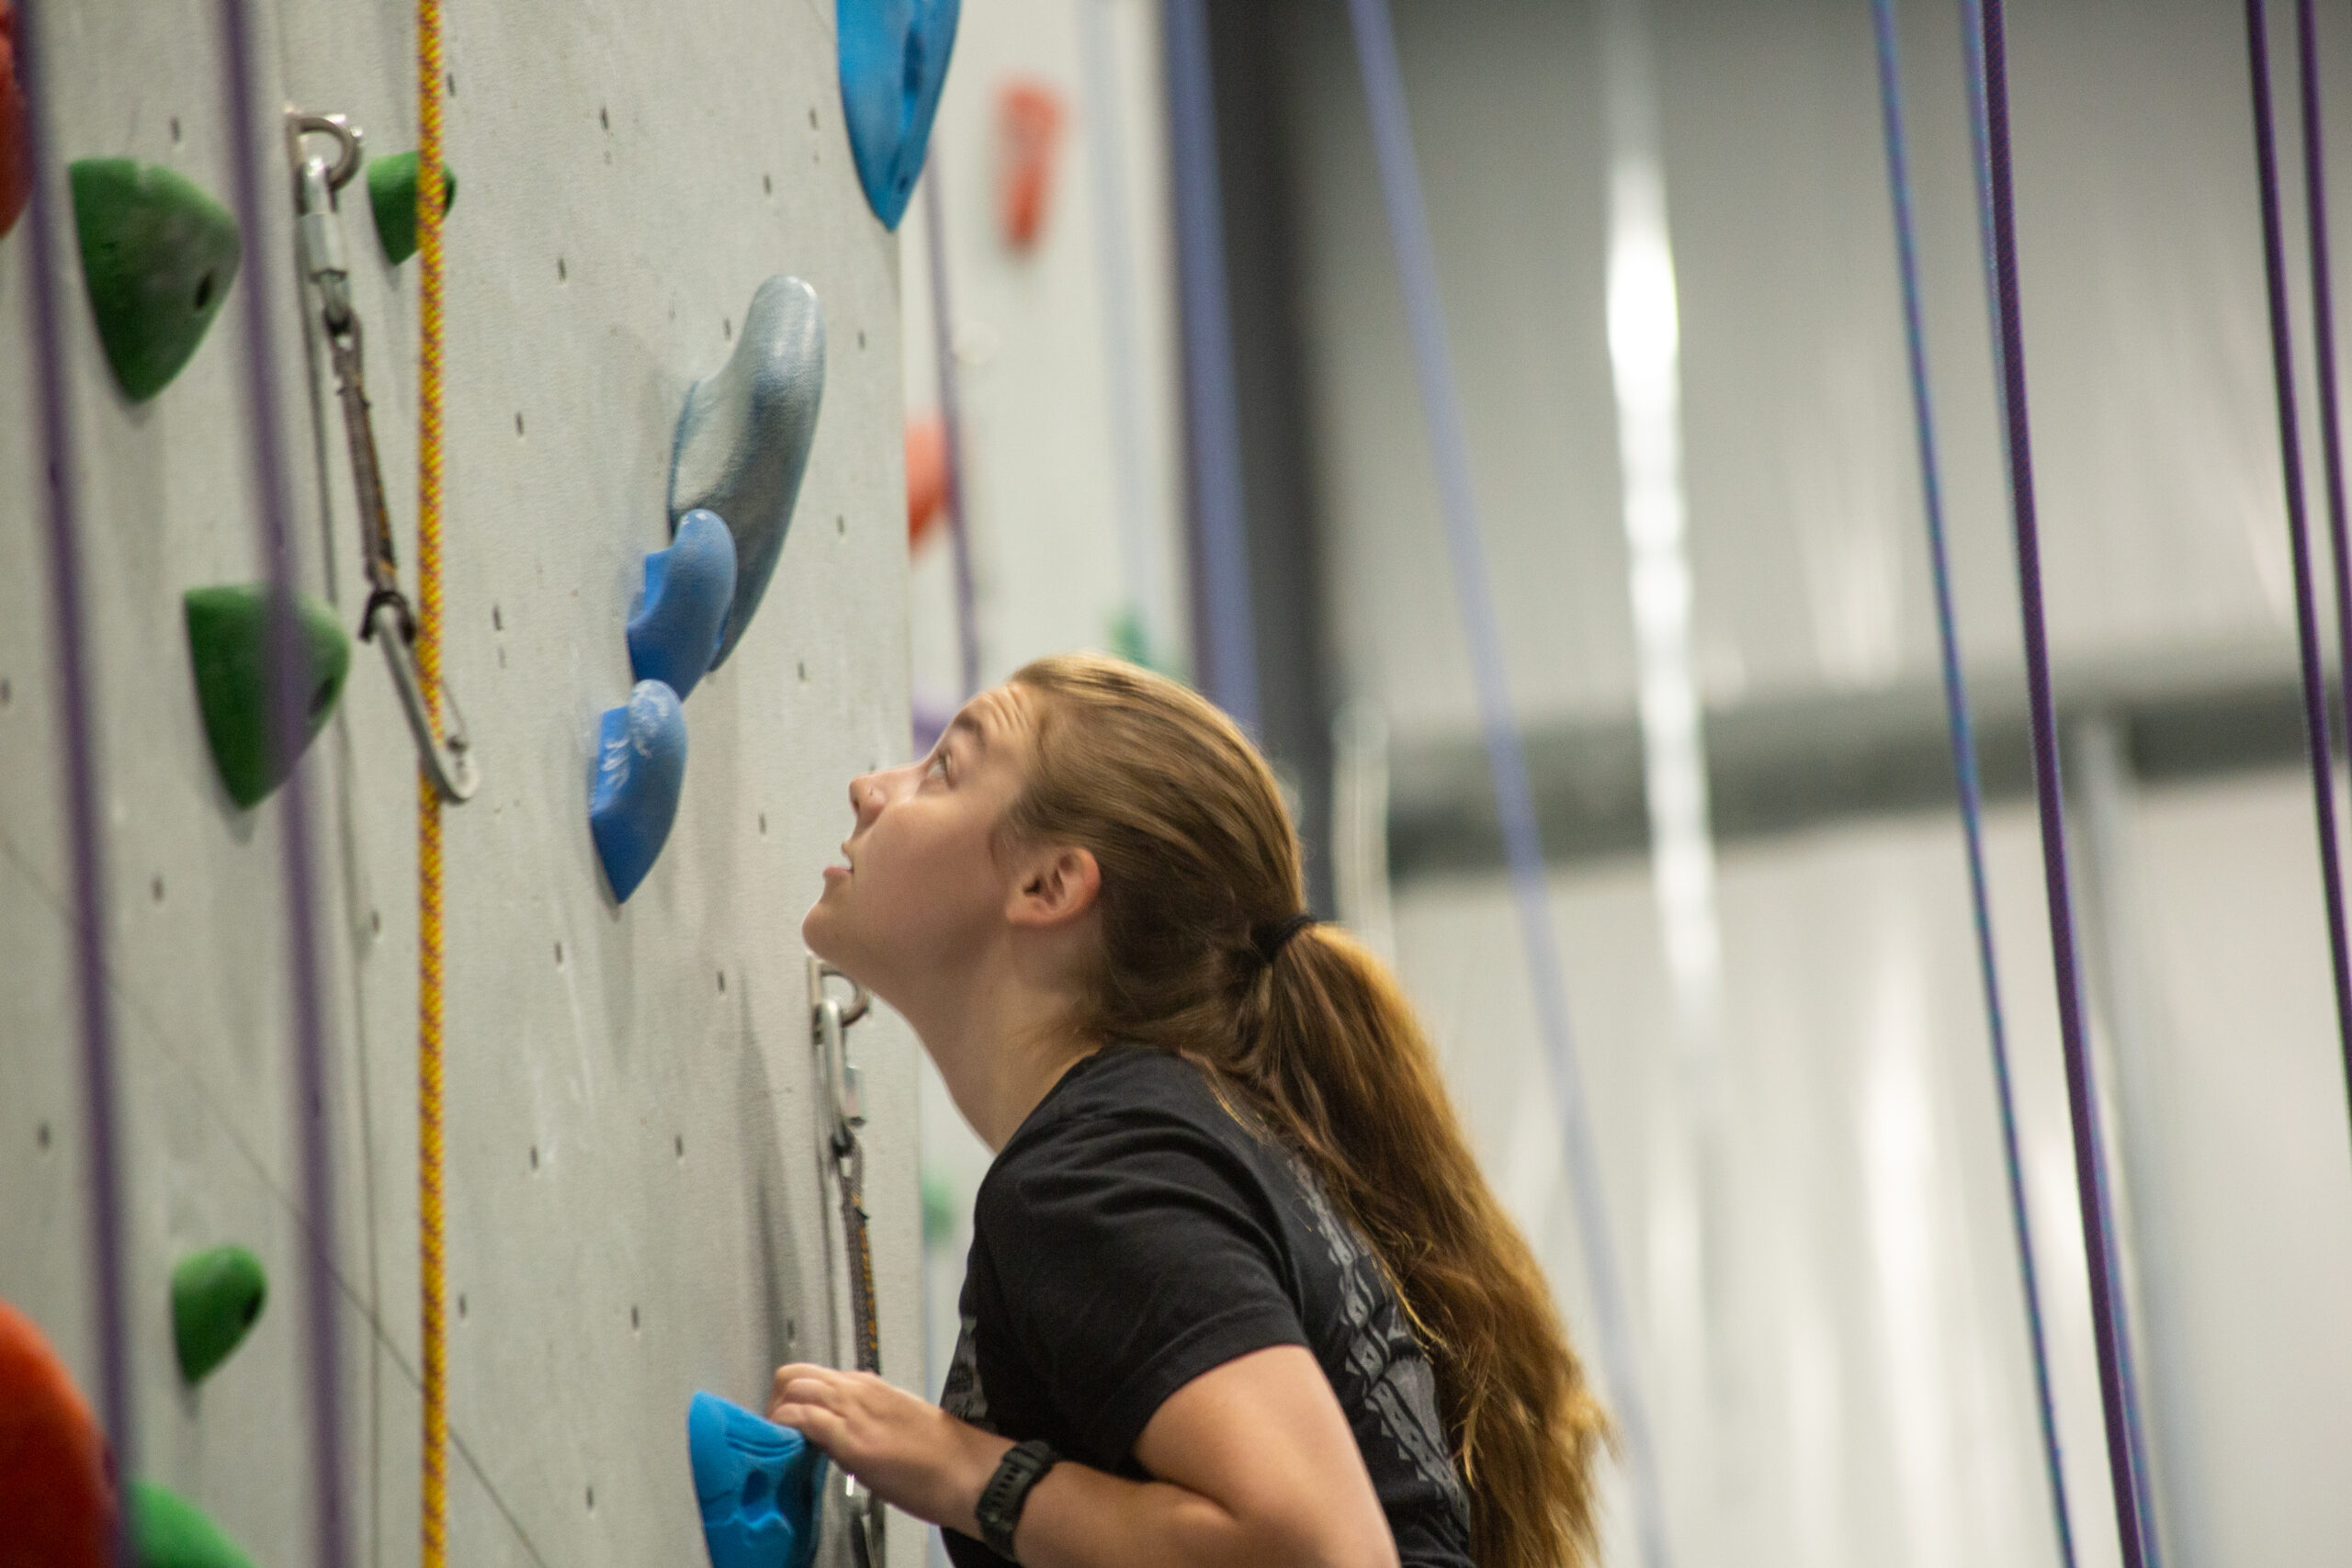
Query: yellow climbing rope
{"type": "Point", "coordinates": [434, 1529]}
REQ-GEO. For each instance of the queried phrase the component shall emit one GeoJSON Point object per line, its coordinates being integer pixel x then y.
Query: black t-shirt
{"type": "Point", "coordinates": [1134, 1235]}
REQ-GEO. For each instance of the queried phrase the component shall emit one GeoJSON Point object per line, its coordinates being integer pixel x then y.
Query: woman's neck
{"type": "Point", "coordinates": [1000, 1048]}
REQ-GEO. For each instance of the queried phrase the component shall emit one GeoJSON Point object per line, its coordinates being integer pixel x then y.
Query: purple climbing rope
{"type": "Point", "coordinates": [1401, 186]}
{"type": "Point", "coordinates": [951, 431]}
{"type": "Point", "coordinates": [2307, 637]}
{"type": "Point", "coordinates": [2332, 448]}
{"type": "Point", "coordinates": [1964, 748]}
{"type": "Point", "coordinates": [1227, 656]}
{"type": "Point", "coordinates": [2106, 1309]}
{"type": "Point", "coordinates": [101, 1105]}
{"type": "Point", "coordinates": [253, 144]}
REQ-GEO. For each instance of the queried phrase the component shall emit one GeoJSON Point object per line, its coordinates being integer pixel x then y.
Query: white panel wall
{"type": "Point", "coordinates": [1860, 1393]}
{"type": "Point", "coordinates": [637, 1204]}
{"type": "Point", "coordinates": [2156, 437]}
{"type": "Point", "coordinates": [1879, 1407]}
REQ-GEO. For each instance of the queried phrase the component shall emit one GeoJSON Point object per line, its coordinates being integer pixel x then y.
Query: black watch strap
{"type": "Point", "coordinates": [1024, 1465]}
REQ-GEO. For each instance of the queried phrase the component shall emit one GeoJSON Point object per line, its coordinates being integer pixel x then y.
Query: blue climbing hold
{"type": "Point", "coordinates": [633, 798]}
{"type": "Point", "coordinates": [744, 436]}
{"type": "Point", "coordinates": [758, 1484]}
{"type": "Point", "coordinates": [894, 62]}
{"type": "Point", "coordinates": [675, 621]}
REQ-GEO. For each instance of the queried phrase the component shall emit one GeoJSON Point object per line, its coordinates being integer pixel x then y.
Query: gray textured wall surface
{"type": "Point", "coordinates": [637, 1205]}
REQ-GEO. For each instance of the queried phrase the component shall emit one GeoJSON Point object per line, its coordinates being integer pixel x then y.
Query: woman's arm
{"type": "Point", "coordinates": [1256, 1468]}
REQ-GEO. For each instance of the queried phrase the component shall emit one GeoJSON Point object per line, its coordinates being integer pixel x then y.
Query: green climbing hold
{"type": "Point", "coordinates": [228, 641]}
{"type": "Point", "coordinates": [158, 255]}
{"type": "Point", "coordinates": [169, 1531]}
{"type": "Point", "coordinates": [216, 1295]}
{"type": "Point", "coordinates": [392, 191]}
{"type": "Point", "coordinates": [939, 1207]}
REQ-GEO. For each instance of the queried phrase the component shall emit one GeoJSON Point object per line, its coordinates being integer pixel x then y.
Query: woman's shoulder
{"type": "Point", "coordinates": [1128, 1105]}
{"type": "Point", "coordinates": [1123, 1086]}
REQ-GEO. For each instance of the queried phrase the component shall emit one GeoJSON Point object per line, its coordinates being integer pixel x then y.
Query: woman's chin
{"type": "Point", "coordinates": [816, 930]}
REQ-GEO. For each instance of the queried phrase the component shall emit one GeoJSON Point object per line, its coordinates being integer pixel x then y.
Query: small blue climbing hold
{"type": "Point", "coordinates": [633, 797]}
{"type": "Point", "coordinates": [758, 1484]}
{"type": "Point", "coordinates": [894, 62]}
{"type": "Point", "coordinates": [743, 437]}
{"type": "Point", "coordinates": [675, 622]}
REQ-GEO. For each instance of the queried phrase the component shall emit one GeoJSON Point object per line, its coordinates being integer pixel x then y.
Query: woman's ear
{"type": "Point", "coordinates": [1057, 885]}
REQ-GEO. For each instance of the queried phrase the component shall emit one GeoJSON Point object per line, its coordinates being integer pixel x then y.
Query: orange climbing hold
{"type": "Point", "coordinates": [16, 152]}
{"type": "Point", "coordinates": [926, 476]}
{"type": "Point", "coordinates": [1029, 127]}
{"type": "Point", "coordinates": [56, 1492]}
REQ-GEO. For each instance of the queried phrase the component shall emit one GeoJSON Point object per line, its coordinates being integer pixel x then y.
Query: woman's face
{"type": "Point", "coordinates": [920, 889]}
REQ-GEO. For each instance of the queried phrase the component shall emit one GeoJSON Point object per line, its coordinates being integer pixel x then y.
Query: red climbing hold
{"type": "Point", "coordinates": [1029, 127]}
{"type": "Point", "coordinates": [16, 152]}
{"type": "Point", "coordinates": [56, 1495]}
{"type": "Point", "coordinates": [926, 476]}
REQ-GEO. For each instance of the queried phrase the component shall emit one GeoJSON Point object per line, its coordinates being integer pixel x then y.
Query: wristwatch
{"type": "Point", "coordinates": [999, 1510]}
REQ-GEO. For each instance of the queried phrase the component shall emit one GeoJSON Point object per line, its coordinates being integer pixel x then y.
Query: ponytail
{"type": "Point", "coordinates": [1204, 954]}
{"type": "Point", "coordinates": [1341, 1066]}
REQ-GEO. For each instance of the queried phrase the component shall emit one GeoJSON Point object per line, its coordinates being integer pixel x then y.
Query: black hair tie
{"type": "Point", "coordinates": [1271, 940]}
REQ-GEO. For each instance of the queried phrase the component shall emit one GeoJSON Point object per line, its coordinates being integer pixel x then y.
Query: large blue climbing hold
{"type": "Point", "coordinates": [633, 798]}
{"type": "Point", "coordinates": [744, 436]}
{"type": "Point", "coordinates": [894, 62]}
{"type": "Point", "coordinates": [758, 1484]}
{"type": "Point", "coordinates": [676, 620]}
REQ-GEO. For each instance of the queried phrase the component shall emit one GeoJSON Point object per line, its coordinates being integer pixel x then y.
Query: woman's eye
{"type": "Point", "coordinates": [938, 768]}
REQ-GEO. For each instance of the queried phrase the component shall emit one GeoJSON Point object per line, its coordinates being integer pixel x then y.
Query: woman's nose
{"type": "Point", "coordinates": [866, 796]}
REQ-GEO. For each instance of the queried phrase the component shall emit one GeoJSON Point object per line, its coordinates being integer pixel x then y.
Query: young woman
{"type": "Point", "coordinates": [1238, 1293]}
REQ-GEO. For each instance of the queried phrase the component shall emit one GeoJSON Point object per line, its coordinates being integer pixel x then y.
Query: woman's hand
{"type": "Point", "coordinates": [908, 1451]}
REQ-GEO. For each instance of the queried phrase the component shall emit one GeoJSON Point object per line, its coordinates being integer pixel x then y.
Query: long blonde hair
{"type": "Point", "coordinates": [1199, 867]}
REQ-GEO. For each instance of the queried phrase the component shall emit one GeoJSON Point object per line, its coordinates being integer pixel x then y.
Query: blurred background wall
{"type": "Point", "coordinates": [1787, 1048]}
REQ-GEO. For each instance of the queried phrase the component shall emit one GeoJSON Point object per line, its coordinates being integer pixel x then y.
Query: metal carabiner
{"type": "Point", "coordinates": [442, 752]}
{"type": "Point", "coordinates": [317, 231]}
{"type": "Point", "coordinates": [845, 1083]}
{"type": "Point", "coordinates": [446, 756]}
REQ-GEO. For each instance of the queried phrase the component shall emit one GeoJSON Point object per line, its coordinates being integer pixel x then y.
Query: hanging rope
{"type": "Point", "coordinates": [2332, 448]}
{"type": "Point", "coordinates": [1963, 747]}
{"type": "Point", "coordinates": [1514, 800]}
{"type": "Point", "coordinates": [2107, 1310]}
{"type": "Point", "coordinates": [1227, 657]}
{"type": "Point", "coordinates": [312, 1108]}
{"type": "Point", "coordinates": [2283, 357]}
{"type": "Point", "coordinates": [84, 822]}
{"type": "Point", "coordinates": [431, 1288]}
{"type": "Point", "coordinates": [951, 428]}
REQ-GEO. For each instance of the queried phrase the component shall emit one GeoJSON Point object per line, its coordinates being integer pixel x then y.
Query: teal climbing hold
{"type": "Point", "coordinates": [633, 794]}
{"type": "Point", "coordinates": [757, 1484]}
{"type": "Point", "coordinates": [743, 437]}
{"type": "Point", "coordinates": [392, 192]}
{"type": "Point", "coordinates": [158, 255]}
{"type": "Point", "coordinates": [216, 1296]}
{"type": "Point", "coordinates": [169, 1531]}
{"type": "Point", "coordinates": [893, 65]}
{"type": "Point", "coordinates": [228, 642]}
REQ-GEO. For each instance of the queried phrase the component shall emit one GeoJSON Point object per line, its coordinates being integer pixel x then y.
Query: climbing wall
{"type": "Point", "coordinates": [638, 1206]}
